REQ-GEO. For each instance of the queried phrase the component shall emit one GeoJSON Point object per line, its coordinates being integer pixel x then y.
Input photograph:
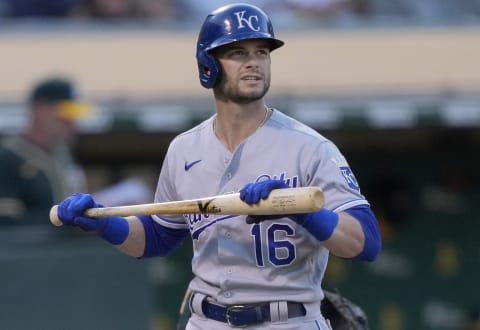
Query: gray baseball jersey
{"type": "Point", "coordinates": [235, 262]}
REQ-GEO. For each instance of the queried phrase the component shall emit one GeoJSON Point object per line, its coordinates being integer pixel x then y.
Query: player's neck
{"type": "Point", "coordinates": [233, 125]}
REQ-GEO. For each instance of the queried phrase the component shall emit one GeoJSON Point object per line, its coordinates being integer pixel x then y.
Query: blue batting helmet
{"type": "Point", "coordinates": [227, 24]}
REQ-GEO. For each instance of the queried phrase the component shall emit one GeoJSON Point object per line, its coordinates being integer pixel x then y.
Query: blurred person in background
{"type": "Point", "coordinates": [36, 167]}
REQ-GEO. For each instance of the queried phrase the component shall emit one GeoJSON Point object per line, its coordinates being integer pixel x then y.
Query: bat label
{"type": "Point", "coordinates": [205, 208]}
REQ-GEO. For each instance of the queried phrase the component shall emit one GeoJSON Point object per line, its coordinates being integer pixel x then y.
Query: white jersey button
{"type": "Point", "coordinates": [229, 175]}
{"type": "Point", "coordinates": [227, 294]}
{"type": "Point", "coordinates": [228, 235]}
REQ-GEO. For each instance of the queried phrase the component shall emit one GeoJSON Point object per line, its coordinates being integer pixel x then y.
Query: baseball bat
{"type": "Point", "coordinates": [280, 201]}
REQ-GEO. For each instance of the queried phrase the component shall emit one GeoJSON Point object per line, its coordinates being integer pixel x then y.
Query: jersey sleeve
{"type": "Point", "coordinates": [165, 192]}
{"type": "Point", "coordinates": [332, 173]}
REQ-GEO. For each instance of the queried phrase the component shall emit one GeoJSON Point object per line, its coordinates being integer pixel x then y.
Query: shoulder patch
{"type": "Point", "coordinates": [349, 177]}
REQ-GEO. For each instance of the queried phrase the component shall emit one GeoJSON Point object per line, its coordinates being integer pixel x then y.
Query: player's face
{"type": "Point", "coordinates": [245, 71]}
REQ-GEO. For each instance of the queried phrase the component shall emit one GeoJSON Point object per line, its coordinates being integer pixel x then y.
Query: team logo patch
{"type": "Point", "coordinates": [349, 177]}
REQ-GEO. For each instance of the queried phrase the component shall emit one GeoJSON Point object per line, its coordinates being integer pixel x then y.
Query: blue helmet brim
{"type": "Point", "coordinates": [228, 39]}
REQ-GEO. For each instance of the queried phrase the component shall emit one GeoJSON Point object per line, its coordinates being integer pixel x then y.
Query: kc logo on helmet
{"type": "Point", "coordinates": [250, 21]}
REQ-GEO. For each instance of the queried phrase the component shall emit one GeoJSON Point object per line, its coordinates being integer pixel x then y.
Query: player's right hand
{"type": "Point", "coordinates": [71, 211]}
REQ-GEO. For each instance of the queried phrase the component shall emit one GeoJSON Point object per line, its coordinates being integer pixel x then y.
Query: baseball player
{"type": "Point", "coordinates": [258, 272]}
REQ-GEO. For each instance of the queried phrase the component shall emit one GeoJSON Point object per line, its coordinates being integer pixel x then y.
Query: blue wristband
{"type": "Point", "coordinates": [321, 224]}
{"type": "Point", "coordinates": [114, 230]}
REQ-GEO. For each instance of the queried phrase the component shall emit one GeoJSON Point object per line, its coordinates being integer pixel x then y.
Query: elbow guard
{"type": "Point", "coordinates": [373, 241]}
{"type": "Point", "coordinates": [160, 240]}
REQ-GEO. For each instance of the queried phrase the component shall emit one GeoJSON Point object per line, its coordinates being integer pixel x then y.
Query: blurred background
{"type": "Point", "coordinates": [394, 83]}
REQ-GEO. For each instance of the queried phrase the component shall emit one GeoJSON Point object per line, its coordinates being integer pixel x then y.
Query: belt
{"type": "Point", "coordinates": [245, 315]}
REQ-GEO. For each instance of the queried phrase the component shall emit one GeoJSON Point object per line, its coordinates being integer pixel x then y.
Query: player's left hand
{"type": "Point", "coordinates": [253, 192]}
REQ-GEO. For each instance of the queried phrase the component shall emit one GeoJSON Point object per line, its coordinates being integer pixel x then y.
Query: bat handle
{"type": "Point", "coordinates": [54, 219]}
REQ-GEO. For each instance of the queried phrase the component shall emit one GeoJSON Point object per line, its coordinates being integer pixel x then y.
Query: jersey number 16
{"type": "Point", "coordinates": [280, 252]}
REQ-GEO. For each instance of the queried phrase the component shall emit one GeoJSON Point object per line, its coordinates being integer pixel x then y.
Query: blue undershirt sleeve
{"type": "Point", "coordinates": [160, 240]}
{"type": "Point", "coordinates": [373, 240]}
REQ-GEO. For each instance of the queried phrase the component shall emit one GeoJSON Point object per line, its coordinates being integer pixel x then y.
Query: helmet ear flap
{"type": "Point", "coordinates": [208, 69]}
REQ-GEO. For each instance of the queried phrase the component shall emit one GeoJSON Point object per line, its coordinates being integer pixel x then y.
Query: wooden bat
{"type": "Point", "coordinates": [280, 201]}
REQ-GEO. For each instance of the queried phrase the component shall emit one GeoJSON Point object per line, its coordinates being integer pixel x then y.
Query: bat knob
{"type": "Point", "coordinates": [54, 219]}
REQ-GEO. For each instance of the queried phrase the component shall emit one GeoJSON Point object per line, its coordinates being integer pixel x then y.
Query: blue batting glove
{"type": "Point", "coordinates": [251, 193]}
{"type": "Point", "coordinates": [71, 212]}
{"type": "Point", "coordinates": [72, 208]}
{"type": "Point", "coordinates": [320, 224]}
